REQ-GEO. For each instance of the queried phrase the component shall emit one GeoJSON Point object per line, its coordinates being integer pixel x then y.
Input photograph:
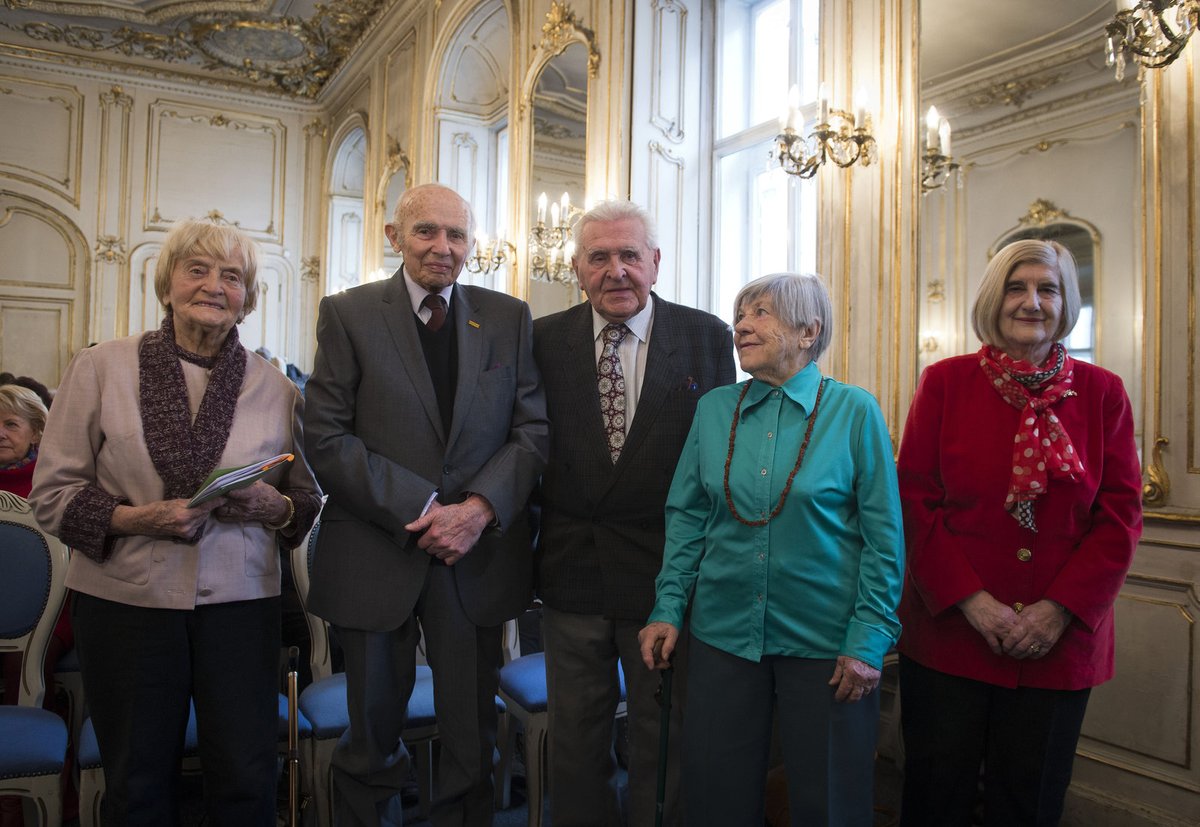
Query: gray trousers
{"type": "Point", "coordinates": [581, 678]}
{"type": "Point", "coordinates": [828, 747]}
{"type": "Point", "coordinates": [371, 763]}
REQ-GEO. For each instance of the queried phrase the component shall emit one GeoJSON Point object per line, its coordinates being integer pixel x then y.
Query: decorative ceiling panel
{"type": "Point", "coordinates": [290, 46]}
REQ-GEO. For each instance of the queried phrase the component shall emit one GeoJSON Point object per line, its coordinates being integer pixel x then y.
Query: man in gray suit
{"type": "Point", "coordinates": [425, 423]}
{"type": "Point", "coordinates": [623, 374]}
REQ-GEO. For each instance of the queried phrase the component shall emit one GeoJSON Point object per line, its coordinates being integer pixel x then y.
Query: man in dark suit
{"type": "Point", "coordinates": [425, 423]}
{"type": "Point", "coordinates": [622, 374]}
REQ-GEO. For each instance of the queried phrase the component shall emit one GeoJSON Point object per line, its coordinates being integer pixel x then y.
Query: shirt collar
{"type": "Point", "coordinates": [801, 389]}
{"type": "Point", "coordinates": [417, 293]}
{"type": "Point", "coordinates": [638, 324]}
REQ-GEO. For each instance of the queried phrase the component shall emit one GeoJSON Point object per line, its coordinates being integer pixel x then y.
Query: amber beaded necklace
{"type": "Point", "coordinates": [737, 411]}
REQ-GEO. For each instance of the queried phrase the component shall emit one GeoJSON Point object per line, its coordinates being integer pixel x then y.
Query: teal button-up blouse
{"type": "Point", "coordinates": [821, 579]}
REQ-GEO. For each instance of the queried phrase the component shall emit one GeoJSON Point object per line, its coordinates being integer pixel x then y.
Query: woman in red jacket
{"type": "Point", "coordinates": [1021, 491]}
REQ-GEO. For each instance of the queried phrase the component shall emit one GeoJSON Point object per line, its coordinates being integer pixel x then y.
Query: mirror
{"type": "Point", "coordinates": [1046, 222]}
{"type": "Point", "coordinates": [558, 159]}
{"type": "Point", "coordinates": [1037, 119]}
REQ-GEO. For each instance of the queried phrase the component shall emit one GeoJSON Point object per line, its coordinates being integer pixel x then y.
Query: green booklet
{"type": "Point", "coordinates": [224, 480]}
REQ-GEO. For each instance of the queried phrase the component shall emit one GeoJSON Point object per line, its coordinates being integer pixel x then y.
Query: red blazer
{"type": "Point", "coordinates": [954, 468]}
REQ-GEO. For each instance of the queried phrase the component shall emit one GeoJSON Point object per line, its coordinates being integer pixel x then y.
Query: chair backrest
{"type": "Point", "coordinates": [320, 659]}
{"type": "Point", "coordinates": [33, 574]}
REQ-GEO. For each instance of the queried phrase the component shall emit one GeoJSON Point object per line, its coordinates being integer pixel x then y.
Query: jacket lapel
{"type": "Point", "coordinates": [470, 355]}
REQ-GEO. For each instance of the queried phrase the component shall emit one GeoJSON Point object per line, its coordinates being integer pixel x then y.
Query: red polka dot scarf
{"type": "Point", "coordinates": [1041, 447]}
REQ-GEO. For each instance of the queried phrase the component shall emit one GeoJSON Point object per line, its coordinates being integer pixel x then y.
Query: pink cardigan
{"type": "Point", "coordinates": [954, 468]}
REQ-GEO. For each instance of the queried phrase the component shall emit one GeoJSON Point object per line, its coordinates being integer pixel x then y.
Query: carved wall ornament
{"type": "Point", "coordinates": [110, 249]}
{"type": "Point", "coordinates": [1042, 212]}
{"type": "Point", "coordinates": [289, 54]}
{"type": "Point", "coordinates": [1157, 487]}
{"type": "Point", "coordinates": [116, 96]}
{"type": "Point", "coordinates": [562, 28]}
{"type": "Point", "coordinates": [1013, 92]}
{"type": "Point", "coordinates": [310, 269]}
{"type": "Point", "coordinates": [316, 128]}
{"type": "Point", "coordinates": [216, 217]}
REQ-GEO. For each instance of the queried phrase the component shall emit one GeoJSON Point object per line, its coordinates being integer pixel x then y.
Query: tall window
{"type": "Point", "coordinates": [765, 220]}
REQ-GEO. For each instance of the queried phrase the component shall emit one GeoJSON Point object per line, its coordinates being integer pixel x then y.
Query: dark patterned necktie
{"type": "Point", "coordinates": [610, 382]}
{"type": "Point", "coordinates": [437, 311]}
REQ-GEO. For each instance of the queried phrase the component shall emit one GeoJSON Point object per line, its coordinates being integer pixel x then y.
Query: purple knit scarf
{"type": "Point", "coordinates": [185, 453]}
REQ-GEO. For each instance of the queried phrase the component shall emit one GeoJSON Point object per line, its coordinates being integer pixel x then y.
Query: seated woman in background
{"type": "Point", "coordinates": [1022, 507]}
{"type": "Point", "coordinates": [22, 420]}
{"type": "Point", "coordinates": [173, 603]}
{"type": "Point", "coordinates": [783, 537]}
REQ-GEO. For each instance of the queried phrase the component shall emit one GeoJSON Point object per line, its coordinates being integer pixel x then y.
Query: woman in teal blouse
{"type": "Point", "coordinates": [784, 537]}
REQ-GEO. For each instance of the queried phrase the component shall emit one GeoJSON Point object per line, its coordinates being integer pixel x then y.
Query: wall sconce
{"type": "Point", "coordinates": [936, 164]}
{"type": "Point", "coordinates": [552, 265]}
{"type": "Point", "coordinates": [550, 249]}
{"type": "Point", "coordinates": [489, 256]}
{"type": "Point", "coordinates": [931, 342]}
{"type": "Point", "coordinates": [838, 136]}
{"type": "Point", "coordinates": [1152, 32]}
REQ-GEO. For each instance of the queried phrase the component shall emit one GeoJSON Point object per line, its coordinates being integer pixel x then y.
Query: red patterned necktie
{"type": "Point", "coordinates": [437, 311]}
{"type": "Point", "coordinates": [610, 382]}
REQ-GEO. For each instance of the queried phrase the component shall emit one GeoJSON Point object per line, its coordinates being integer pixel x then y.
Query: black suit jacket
{"type": "Point", "coordinates": [602, 529]}
{"type": "Point", "coordinates": [374, 436]}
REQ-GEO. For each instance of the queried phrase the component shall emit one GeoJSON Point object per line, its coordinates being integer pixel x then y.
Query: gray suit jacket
{"type": "Point", "coordinates": [602, 525]}
{"type": "Point", "coordinates": [375, 440]}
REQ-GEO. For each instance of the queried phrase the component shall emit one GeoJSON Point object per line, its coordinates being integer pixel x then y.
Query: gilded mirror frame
{"type": "Point", "coordinates": [562, 29]}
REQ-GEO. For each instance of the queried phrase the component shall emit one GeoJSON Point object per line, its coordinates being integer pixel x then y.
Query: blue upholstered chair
{"type": "Point", "coordinates": [323, 703]}
{"type": "Point", "coordinates": [523, 690]}
{"type": "Point", "coordinates": [91, 773]}
{"type": "Point", "coordinates": [33, 742]}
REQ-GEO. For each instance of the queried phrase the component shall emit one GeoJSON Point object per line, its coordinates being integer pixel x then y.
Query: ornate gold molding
{"type": "Point", "coordinates": [1157, 488]}
{"type": "Point", "coordinates": [562, 28]}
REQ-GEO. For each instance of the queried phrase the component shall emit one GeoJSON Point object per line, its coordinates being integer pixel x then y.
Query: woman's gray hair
{"type": "Point", "coordinates": [26, 404]}
{"type": "Point", "coordinates": [188, 237]}
{"type": "Point", "coordinates": [799, 299]}
{"type": "Point", "coordinates": [989, 301]}
{"type": "Point", "coordinates": [615, 210]}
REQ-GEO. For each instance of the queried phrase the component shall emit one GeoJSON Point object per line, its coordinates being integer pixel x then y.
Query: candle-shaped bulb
{"type": "Point", "coordinates": [481, 245]}
{"type": "Point", "coordinates": [823, 105]}
{"type": "Point", "coordinates": [554, 215]}
{"type": "Point", "coordinates": [566, 205]}
{"type": "Point", "coordinates": [944, 137]}
{"type": "Point", "coordinates": [792, 115]}
{"type": "Point", "coordinates": [932, 119]}
{"type": "Point", "coordinates": [542, 208]}
{"type": "Point", "coordinates": [860, 108]}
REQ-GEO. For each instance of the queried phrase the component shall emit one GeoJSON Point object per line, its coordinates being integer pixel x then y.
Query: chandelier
{"type": "Point", "coordinates": [838, 136]}
{"type": "Point", "coordinates": [937, 165]}
{"type": "Point", "coordinates": [489, 255]}
{"type": "Point", "coordinates": [550, 247]}
{"type": "Point", "coordinates": [1151, 32]}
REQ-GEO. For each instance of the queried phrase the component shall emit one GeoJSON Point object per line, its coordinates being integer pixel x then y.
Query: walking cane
{"type": "Point", "coordinates": [664, 732]}
{"type": "Point", "coordinates": [293, 739]}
